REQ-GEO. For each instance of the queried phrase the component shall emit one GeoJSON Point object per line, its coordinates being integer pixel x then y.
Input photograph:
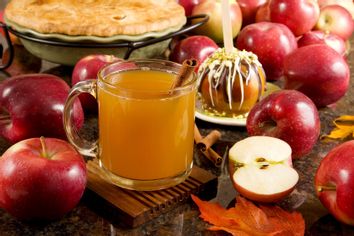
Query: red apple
{"type": "Point", "coordinates": [198, 47]}
{"type": "Point", "coordinates": [41, 179]}
{"type": "Point", "coordinates": [320, 37]}
{"type": "Point", "coordinates": [32, 105]}
{"type": "Point", "coordinates": [249, 9]}
{"type": "Point", "coordinates": [337, 20]}
{"type": "Point", "coordinates": [319, 72]}
{"type": "Point", "coordinates": [299, 15]}
{"type": "Point", "coordinates": [347, 4]}
{"type": "Point", "coordinates": [261, 168]}
{"type": "Point", "coordinates": [213, 27]}
{"type": "Point", "coordinates": [271, 42]}
{"type": "Point", "coordinates": [288, 115]}
{"type": "Point", "coordinates": [188, 5]}
{"type": "Point", "coordinates": [334, 182]}
{"type": "Point", "coordinates": [87, 68]}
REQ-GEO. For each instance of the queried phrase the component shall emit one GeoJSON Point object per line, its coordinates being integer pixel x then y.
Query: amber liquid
{"type": "Point", "coordinates": [145, 133]}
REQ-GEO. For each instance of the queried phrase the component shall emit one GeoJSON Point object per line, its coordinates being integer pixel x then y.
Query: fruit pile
{"type": "Point", "coordinates": [282, 34]}
{"type": "Point", "coordinates": [32, 107]}
{"type": "Point", "coordinates": [302, 46]}
{"type": "Point", "coordinates": [40, 178]}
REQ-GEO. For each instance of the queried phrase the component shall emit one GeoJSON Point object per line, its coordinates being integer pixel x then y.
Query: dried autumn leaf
{"type": "Point", "coordinates": [344, 127]}
{"type": "Point", "coordinates": [291, 223]}
{"type": "Point", "coordinates": [344, 120]}
{"type": "Point", "coordinates": [247, 219]}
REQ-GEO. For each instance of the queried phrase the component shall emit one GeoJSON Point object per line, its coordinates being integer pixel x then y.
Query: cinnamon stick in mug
{"type": "Point", "coordinates": [186, 71]}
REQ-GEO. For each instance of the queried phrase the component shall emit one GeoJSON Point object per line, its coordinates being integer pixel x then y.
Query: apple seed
{"type": "Point", "coordinates": [260, 159]}
{"type": "Point", "coordinates": [263, 167]}
{"type": "Point", "coordinates": [264, 163]}
{"type": "Point", "coordinates": [238, 165]}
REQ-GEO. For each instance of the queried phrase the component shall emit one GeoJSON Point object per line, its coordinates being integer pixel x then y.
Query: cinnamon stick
{"type": "Point", "coordinates": [185, 72]}
{"type": "Point", "coordinates": [209, 140]}
{"type": "Point", "coordinates": [208, 152]}
{"type": "Point", "coordinates": [214, 156]}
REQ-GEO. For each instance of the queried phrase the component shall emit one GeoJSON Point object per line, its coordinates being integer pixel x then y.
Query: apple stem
{"type": "Point", "coordinates": [44, 147]}
{"type": "Point", "coordinates": [5, 119]}
{"type": "Point", "coordinates": [326, 188]}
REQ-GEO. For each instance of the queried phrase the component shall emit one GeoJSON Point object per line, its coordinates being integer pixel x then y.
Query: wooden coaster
{"type": "Point", "coordinates": [137, 207]}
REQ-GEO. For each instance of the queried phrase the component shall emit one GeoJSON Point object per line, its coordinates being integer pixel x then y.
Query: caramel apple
{"type": "Point", "coordinates": [230, 84]}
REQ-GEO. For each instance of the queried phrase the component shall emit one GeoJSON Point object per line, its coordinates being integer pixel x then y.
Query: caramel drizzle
{"type": "Point", "coordinates": [220, 63]}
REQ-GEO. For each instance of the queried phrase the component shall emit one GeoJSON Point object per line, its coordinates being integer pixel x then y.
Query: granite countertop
{"type": "Point", "coordinates": [184, 219]}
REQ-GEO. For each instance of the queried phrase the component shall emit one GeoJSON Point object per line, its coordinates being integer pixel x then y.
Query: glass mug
{"type": "Point", "coordinates": [146, 129]}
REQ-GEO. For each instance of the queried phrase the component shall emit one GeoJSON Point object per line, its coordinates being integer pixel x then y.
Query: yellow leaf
{"type": "Point", "coordinates": [344, 127]}
{"type": "Point", "coordinates": [344, 121]}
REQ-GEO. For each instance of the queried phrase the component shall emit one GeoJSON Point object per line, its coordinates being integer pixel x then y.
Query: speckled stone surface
{"type": "Point", "coordinates": [86, 219]}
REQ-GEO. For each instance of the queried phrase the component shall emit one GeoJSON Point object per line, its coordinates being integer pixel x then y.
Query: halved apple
{"type": "Point", "coordinates": [261, 168]}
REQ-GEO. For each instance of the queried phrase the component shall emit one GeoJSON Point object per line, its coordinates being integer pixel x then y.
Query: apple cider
{"type": "Point", "coordinates": [145, 131]}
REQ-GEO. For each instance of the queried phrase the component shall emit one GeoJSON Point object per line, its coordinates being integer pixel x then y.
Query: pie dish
{"type": "Point", "coordinates": [63, 31]}
{"type": "Point", "coordinates": [102, 18]}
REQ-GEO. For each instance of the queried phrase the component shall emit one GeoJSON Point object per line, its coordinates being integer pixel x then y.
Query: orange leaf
{"type": "Point", "coordinates": [248, 219]}
{"type": "Point", "coordinates": [289, 223]}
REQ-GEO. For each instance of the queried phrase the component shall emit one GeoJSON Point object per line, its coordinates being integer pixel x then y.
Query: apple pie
{"type": "Point", "coordinates": [102, 18]}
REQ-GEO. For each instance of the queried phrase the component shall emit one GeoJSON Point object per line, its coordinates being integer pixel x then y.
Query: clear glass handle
{"type": "Point", "coordinates": [83, 146]}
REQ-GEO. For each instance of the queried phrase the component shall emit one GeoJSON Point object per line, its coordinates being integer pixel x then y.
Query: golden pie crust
{"type": "Point", "coordinates": [102, 18]}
